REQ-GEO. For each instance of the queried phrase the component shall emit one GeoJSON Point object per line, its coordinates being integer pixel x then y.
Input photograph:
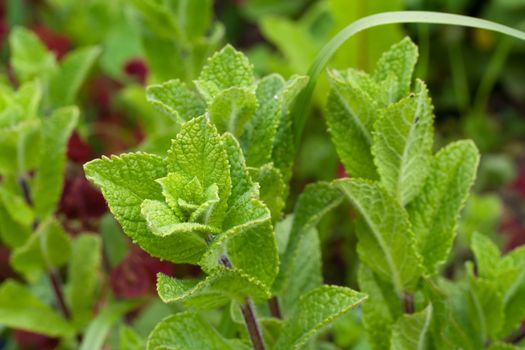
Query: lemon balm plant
{"type": "Point", "coordinates": [216, 197]}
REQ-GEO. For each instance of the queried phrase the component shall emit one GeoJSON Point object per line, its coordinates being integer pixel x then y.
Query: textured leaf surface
{"type": "Point", "coordinates": [127, 181]}
{"type": "Point", "coordinates": [176, 100]}
{"type": "Point", "coordinates": [20, 309]}
{"type": "Point", "coordinates": [434, 212]}
{"type": "Point", "coordinates": [232, 109]}
{"type": "Point", "coordinates": [83, 271]}
{"type": "Point", "coordinates": [272, 188]}
{"type": "Point", "coordinates": [315, 201]}
{"type": "Point", "coordinates": [316, 310]}
{"type": "Point", "coordinates": [400, 61]}
{"type": "Point", "coordinates": [411, 332]}
{"type": "Point", "coordinates": [226, 69]}
{"type": "Point", "coordinates": [197, 152]}
{"type": "Point", "coordinates": [215, 290]}
{"type": "Point", "coordinates": [186, 331]}
{"type": "Point", "coordinates": [386, 240]}
{"type": "Point", "coordinates": [380, 310]}
{"type": "Point", "coordinates": [351, 114]}
{"type": "Point", "coordinates": [50, 174]}
{"type": "Point", "coordinates": [402, 146]}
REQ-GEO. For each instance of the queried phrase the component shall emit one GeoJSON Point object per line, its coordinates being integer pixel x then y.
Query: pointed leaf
{"type": "Point", "coordinates": [316, 309]}
{"type": "Point", "coordinates": [434, 212]}
{"type": "Point", "coordinates": [399, 60]}
{"type": "Point", "coordinates": [20, 309]}
{"type": "Point", "coordinates": [50, 174]}
{"type": "Point", "coordinates": [386, 240]}
{"type": "Point", "coordinates": [176, 100]}
{"type": "Point", "coordinates": [351, 114]}
{"type": "Point", "coordinates": [402, 146]}
{"type": "Point", "coordinates": [227, 68]}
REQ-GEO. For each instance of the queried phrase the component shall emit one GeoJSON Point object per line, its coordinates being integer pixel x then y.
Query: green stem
{"type": "Point", "coordinates": [302, 106]}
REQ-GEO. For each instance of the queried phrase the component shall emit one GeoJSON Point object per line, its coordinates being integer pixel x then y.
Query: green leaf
{"type": "Point", "coordinates": [503, 346]}
{"type": "Point", "coordinates": [400, 61]}
{"type": "Point", "coordinates": [434, 212]}
{"type": "Point", "coordinates": [315, 310]}
{"type": "Point", "coordinates": [231, 109]}
{"type": "Point", "coordinates": [101, 325]}
{"type": "Point", "coordinates": [47, 248]}
{"type": "Point", "coordinates": [13, 233]}
{"type": "Point", "coordinates": [351, 114]}
{"type": "Point", "coordinates": [129, 339]}
{"type": "Point", "coordinates": [16, 207]}
{"type": "Point", "coordinates": [20, 309]}
{"type": "Point", "coordinates": [511, 282]}
{"type": "Point", "coordinates": [487, 256]}
{"type": "Point", "coordinates": [380, 310]}
{"type": "Point", "coordinates": [225, 69]}
{"type": "Point", "coordinates": [29, 56]}
{"type": "Point", "coordinates": [128, 180]}
{"type": "Point", "coordinates": [306, 274]}
{"type": "Point", "coordinates": [315, 201]}
{"type": "Point", "coordinates": [411, 332]}
{"type": "Point", "coordinates": [214, 291]}
{"type": "Point", "coordinates": [198, 152]}
{"type": "Point", "coordinates": [186, 331]}
{"type": "Point", "coordinates": [402, 145]}
{"type": "Point", "coordinates": [386, 239]}
{"type": "Point", "coordinates": [83, 271]}
{"type": "Point", "coordinates": [50, 174]}
{"type": "Point", "coordinates": [176, 100]}
{"type": "Point", "coordinates": [67, 80]}
{"type": "Point", "coordinates": [272, 188]}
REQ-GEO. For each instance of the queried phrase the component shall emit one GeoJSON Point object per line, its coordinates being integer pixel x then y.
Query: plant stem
{"type": "Point", "coordinates": [252, 325]}
{"type": "Point", "coordinates": [53, 275]}
{"type": "Point", "coordinates": [275, 308]}
{"type": "Point", "coordinates": [54, 278]}
{"type": "Point", "coordinates": [408, 303]}
{"type": "Point", "coordinates": [248, 313]}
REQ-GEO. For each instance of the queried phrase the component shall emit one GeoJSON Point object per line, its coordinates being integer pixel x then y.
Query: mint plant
{"type": "Point", "coordinates": [206, 203]}
{"type": "Point", "coordinates": [200, 204]}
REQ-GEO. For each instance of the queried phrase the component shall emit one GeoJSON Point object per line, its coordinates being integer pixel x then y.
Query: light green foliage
{"type": "Point", "coordinates": [402, 146]}
{"type": "Point", "coordinates": [226, 69]}
{"type": "Point", "coordinates": [272, 188]}
{"type": "Point", "coordinates": [188, 331]}
{"type": "Point", "coordinates": [231, 109]}
{"type": "Point", "coordinates": [315, 310]}
{"type": "Point", "coordinates": [411, 332]}
{"type": "Point", "coordinates": [200, 200]}
{"type": "Point", "coordinates": [386, 239]}
{"type": "Point", "coordinates": [380, 310]}
{"type": "Point", "coordinates": [129, 339]}
{"type": "Point", "coordinates": [101, 325]}
{"type": "Point", "coordinates": [176, 100]}
{"type": "Point", "coordinates": [83, 271]}
{"type": "Point", "coordinates": [351, 114]}
{"type": "Point", "coordinates": [314, 203]}
{"type": "Point", "coordinates": [67, 80]}
{"type": "Point", "coordinates": [29, 56]}
{"type": "Point", "coordinates": [16, 207]}
{"type": "Point", "coordinates": [215, 290]}
{"type": "Point", "coordinates": [398, 62]}
{"type": "Point", "coordinates": [56, 131]}
{"type": "Point", "coordinates": [434, 212]}
{"type": "Point", "coordinates": [19, 308]}
{"type": "Point", "coordinates": [47, 248]}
